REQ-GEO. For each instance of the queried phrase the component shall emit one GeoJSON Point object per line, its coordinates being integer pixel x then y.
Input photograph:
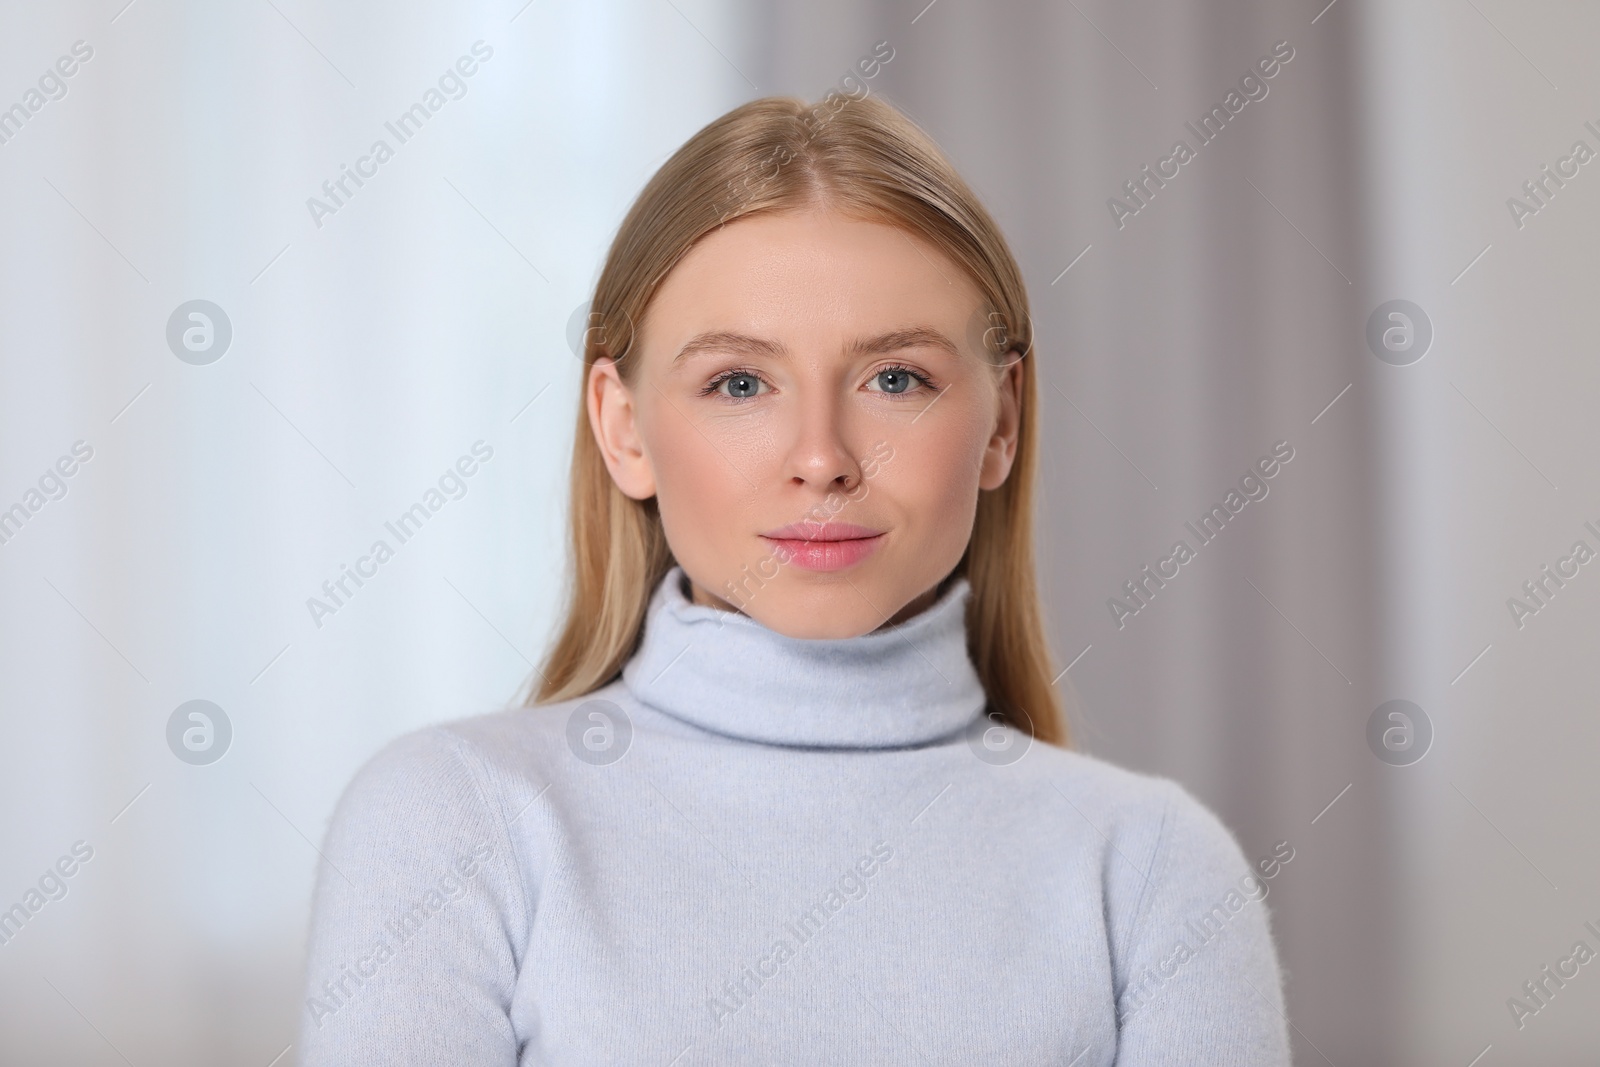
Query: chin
{"type": "Point", "coordinates": [846, 603]}
{"type": "Point", "coordinates": [819, 619]}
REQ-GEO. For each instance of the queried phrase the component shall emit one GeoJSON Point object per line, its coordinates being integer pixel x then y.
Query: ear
{"type": "Point", "coordinates": [612, 418]}
{"type": "Point", "coordinates": [1001, 450]}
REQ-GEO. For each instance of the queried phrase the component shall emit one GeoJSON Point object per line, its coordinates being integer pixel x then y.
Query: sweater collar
{"type": "Point", "coordinates": [722, 671]}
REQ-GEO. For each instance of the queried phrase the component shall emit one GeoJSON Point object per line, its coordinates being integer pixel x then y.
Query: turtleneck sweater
{"type": "Point", "coordinates": [753, 848]}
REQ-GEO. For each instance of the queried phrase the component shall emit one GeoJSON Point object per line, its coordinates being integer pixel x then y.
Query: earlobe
{"type": "Point", "coordinates": [613, 421]}
{"type": "Point", "coordinates": [1001, 450]}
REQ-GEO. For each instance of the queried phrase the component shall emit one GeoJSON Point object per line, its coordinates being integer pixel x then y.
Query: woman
{"type": "Point", "coordinates": [793, 785]}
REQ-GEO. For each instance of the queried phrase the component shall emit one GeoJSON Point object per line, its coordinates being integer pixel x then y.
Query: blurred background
{"type": "Point", "coordinates": [215, 392]}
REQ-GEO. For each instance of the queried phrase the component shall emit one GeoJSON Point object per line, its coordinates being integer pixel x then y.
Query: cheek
{"type": "Point", "coordinates": [933, 477]}
{"type": "Point", "coordinates": [697, 481]}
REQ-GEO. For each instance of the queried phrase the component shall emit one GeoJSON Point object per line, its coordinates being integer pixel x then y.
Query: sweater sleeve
{"type": "Point", "coordinates": [1198, 982]}
{"type": "Point", "coordinates": [411, 956]}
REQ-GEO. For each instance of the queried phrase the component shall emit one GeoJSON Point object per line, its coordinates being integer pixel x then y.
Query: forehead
{"type": "Point", "coordinates": [815, 272]}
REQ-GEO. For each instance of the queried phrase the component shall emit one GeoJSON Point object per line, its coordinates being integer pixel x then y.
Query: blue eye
{"type": "Point", "coordinates": [741, 386]}
{"type": "Point", "coordinates": [894, 380]}
{"type": "Point", "coordinates": [898, 381]}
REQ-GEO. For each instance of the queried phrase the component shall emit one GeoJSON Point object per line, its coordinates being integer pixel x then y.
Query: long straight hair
{"type": "Point", "coordinates": [864, 158]}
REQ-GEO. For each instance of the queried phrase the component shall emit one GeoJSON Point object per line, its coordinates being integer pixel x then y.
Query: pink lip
{"type": "Point", "coordinates": [830, 546]}
{"type": "Point", "coordinates": [821, 531]}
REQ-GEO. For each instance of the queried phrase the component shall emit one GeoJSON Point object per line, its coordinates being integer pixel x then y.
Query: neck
{"type": "Point", "coordinates": [703, 597]}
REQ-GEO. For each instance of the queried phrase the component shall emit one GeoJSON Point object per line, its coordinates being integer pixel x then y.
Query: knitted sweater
{"type": "Point", "coordinates": [752, 848]}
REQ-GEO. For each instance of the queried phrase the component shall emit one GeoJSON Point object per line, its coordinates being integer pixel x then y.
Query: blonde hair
{"type": "Point", "coordinates": [865, 158]}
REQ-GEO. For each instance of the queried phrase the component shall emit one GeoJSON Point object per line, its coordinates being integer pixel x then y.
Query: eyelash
{"type": "Point", "coordinates": [740, 372]}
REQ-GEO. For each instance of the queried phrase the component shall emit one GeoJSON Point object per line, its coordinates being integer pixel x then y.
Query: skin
{"type": "Point", "coordinates": [816, 430]}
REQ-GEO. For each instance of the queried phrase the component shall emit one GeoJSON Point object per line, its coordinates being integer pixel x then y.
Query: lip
{"type": "Point", "coordinates": [831, 546]}
{"type": "Point", "coordinates": [821, 531]}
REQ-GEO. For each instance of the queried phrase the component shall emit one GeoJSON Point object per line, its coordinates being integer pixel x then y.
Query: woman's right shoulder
{"type": "Point", "coordinates": [523, 737]}
{"type": "Point", "coordinates": [481, 761]}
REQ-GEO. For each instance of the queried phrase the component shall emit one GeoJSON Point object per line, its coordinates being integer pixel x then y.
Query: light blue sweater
{"type": "Point", "coordinates": [760, 849]}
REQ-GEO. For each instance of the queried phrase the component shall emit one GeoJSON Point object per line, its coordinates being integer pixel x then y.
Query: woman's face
{"type": "Point", "coordinates": [815, 418]}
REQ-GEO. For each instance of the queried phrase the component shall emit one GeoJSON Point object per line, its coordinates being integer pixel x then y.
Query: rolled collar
{"type": "Point", "coordinates": [722, 671]}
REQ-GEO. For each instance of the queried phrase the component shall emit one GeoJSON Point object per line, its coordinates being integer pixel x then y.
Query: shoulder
{"type": "Point", "coordinates": [1157, 814]}
{"type": "Point", "coordinates": [1186, 913]}
{"type": "Point", "coordinates": [485, 748]}
{"type": "Point", "coordinates": [471, 769]}
{"type": "Point", "coordinates": [1162, 851]}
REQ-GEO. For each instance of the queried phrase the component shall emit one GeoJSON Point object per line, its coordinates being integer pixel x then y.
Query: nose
{"type": "Point", "coordinates": [819, 455]}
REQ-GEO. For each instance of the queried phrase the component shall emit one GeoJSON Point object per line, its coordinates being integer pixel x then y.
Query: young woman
{"type": "Point", "coordinates": [793, 785]}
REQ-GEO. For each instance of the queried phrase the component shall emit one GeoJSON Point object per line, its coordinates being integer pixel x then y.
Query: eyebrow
{"type": "Point", "coordinates": [745, 344]}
